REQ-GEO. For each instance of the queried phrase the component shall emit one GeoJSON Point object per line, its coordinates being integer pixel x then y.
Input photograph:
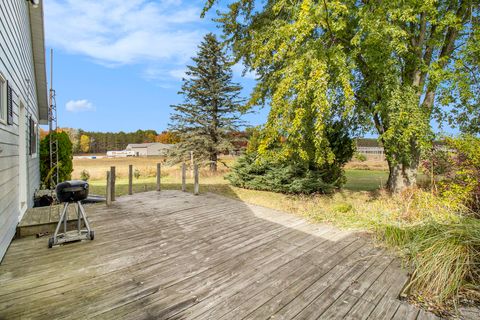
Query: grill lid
{"type": "Point", "coordinates": [72, 185]}
{"type": "Point", "coordinates": [73, 190]}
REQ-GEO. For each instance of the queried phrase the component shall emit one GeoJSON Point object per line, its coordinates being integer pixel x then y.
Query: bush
{"type": "Point", "coordinates": [84, 175]}
{"type": "Point", "coordinates": [65, 165]}
{"type": "Point", "coordinates": [294, 175]}
{"type": "Point", "coordinates": [462, 181]}
{"type": "Point", "coordinates": [360, 157]}
{"type": "Point", "coordinates": [437, 161]}
{"type": "Point", "coordinates": [136, 173]}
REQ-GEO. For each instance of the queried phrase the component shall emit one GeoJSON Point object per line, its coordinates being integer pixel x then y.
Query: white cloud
{"type": "Point", "coordinates": [239, 68]}
{"type": "Point", "coordinates": [79, 105]}
{"type": "Point", "coordinates": [162, 33]}
{"type": "Point", "coordinates": [178, 73]}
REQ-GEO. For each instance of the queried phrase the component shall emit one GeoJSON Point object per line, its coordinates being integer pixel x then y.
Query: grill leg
{"type": "Point", "coordinates": [65, 218]}
{"type": "Point", "coordinates": [79, 222]}
{"type": "Point", "coordinates": [60, 220]}
{"type": "Point", "coordinates": [62, 238]}
{"type": "Point", "coordinates": [84, 216]}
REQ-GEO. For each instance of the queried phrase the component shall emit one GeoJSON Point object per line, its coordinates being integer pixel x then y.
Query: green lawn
{"type": "Point", "coordinates": [365, 180]}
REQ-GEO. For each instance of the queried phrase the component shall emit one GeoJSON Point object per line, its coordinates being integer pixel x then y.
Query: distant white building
{"type": "Point", "coordinates": [120, 154]}
{"type": "Point", "coordinates": [149, 149]}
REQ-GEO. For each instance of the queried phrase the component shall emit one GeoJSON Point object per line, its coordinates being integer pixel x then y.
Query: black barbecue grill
{"type": "Point", "coordinates": [72, 192]}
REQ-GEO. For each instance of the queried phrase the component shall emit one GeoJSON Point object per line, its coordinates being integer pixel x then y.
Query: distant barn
{"type": "Point", "coordinates": [149, 149]}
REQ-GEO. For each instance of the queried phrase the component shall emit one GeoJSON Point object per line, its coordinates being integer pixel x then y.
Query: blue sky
{"type": "Point", "coordinates": [118, 64]}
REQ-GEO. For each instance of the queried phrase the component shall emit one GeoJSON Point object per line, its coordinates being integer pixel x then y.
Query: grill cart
{"type": "Point", "coordinates": [72, 192]}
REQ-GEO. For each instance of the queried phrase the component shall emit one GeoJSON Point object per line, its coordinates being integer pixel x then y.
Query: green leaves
{"type": "Point", "coordinates": [387, 65]}
{"type": "Point", "coordinates": [65, 164]}
{"type": "Point", "coordinates": [407, 123]}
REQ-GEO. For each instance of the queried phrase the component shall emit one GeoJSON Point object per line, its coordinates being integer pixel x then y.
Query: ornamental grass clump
{"type": "Point", "coordinates": [445, 256]}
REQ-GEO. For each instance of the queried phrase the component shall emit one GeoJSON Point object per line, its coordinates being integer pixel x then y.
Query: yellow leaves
{"type": "Point", "coordinates": [278, 6]}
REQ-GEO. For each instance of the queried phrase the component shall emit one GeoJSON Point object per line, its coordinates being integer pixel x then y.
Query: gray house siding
{"type": "Point", "coordinates": [17, 67]}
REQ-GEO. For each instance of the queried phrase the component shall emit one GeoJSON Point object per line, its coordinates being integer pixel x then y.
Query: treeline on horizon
{"type": "Point", "coordinates": [101, 142]}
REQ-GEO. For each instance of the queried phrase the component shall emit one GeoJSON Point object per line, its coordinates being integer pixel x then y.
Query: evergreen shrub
{"type": "Point", "coordinates": [294, 175]}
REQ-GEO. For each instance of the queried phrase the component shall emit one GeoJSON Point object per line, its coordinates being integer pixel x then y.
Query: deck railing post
{"type": "Point", "coordinates": [192, 164]}
{"type": "Point", "coordinates": [130, 179]}
{"type": "Point", "coordinates": [112, 178]}
{"type": "Point", "coordinates": [158, 176]}
{"type": "Point", "coordinates": [196, 184]}
{"type": "Point", "coordinates": [109, 187]}
{"type": "Point", "coordinates": [184, 178]}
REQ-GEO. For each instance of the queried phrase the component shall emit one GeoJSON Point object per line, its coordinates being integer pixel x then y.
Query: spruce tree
{"type": "Point", "coordinates": [212, 106]}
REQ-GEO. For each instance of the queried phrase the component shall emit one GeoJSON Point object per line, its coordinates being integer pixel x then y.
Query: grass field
{"type": "Point", "coordinates": [357, 180]}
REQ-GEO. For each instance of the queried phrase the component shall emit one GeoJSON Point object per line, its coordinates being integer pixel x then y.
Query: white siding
{"type": "Point", "coordinates": [16, 65]}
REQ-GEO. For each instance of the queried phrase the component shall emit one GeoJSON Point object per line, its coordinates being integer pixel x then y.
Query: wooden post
{"type": "Point", "coordinates": [109, 189]}
{"type": "Point", "coordinates": [192, 164]}
{"type": "Point", "coordinates": [112, 178]}
{"type": "Point", "coordinates": [184, 178]}
{"type": "Point", "coordinates": [158, 176]}
{"type": "Point", "coordinates": [195, 184]}
{"type": "Point", "coordinates": [130, 179]}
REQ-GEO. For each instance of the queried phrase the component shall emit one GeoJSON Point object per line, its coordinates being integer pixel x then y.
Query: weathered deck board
{"type": "Point", "coordinates": [172, 255]}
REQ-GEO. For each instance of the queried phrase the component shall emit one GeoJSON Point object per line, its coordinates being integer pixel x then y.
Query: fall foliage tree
{"type": "Point", "coordinates": [84, 143]}
{"type": "Point", "coordinates": [167, 137]}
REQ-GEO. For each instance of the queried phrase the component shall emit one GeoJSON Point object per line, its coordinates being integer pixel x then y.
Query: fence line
{"type": "Point", "coordinates": [110, 176]}
{"type": "Point", "coordinates": [381, 152]}
{"type": "Point", "coordinates": [371, 150]}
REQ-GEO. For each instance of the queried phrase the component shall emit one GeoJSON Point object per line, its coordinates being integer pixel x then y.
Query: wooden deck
{"type": "Point", "coordinates": [172, 255]}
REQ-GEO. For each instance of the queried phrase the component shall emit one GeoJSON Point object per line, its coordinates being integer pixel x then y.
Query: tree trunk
{"type": "Point", "coordinates": [213, 162]}
{"type": "Point", "coordinates": [401, 176]}
{"type": "Point", "coordinates": [402, 172]}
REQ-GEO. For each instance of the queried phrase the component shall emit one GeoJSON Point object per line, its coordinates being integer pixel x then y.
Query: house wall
{"type": "Point", "coordinates": [157, 150]}
{"type": "Point", "coordinates": [140, 151]}
{"type": "Point", "coordinates": [152, 150]}
{"type": "Point", "coordinates": [16, 65]}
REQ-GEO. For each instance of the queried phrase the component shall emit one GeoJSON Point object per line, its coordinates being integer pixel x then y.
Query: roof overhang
{"type": "Point", "coordinates": [38, 48]}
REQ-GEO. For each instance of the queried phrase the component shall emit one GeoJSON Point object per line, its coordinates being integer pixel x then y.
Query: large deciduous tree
{"type": "Point", "coordinates": [212, 106]}
{"type": "Point", "coordinates": [392, 66]}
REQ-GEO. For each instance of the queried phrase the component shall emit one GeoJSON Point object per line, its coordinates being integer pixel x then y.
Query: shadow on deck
{"type": "Point", "coordinates": [178, 256]}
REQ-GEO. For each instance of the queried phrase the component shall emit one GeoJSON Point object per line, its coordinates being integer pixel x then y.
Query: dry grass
{"type": "Point", "coordinates": [97, 168]}
{"type": "Point", "coordinates": [372, 163]}
{"type": "Point", "coordinates": [147, 166]}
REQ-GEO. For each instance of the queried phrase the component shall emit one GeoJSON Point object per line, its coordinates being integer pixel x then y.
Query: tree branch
{"type": "Point", "coordinates": [332, 37]}
{"type": "Point", "coordinates": [446, 53]}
